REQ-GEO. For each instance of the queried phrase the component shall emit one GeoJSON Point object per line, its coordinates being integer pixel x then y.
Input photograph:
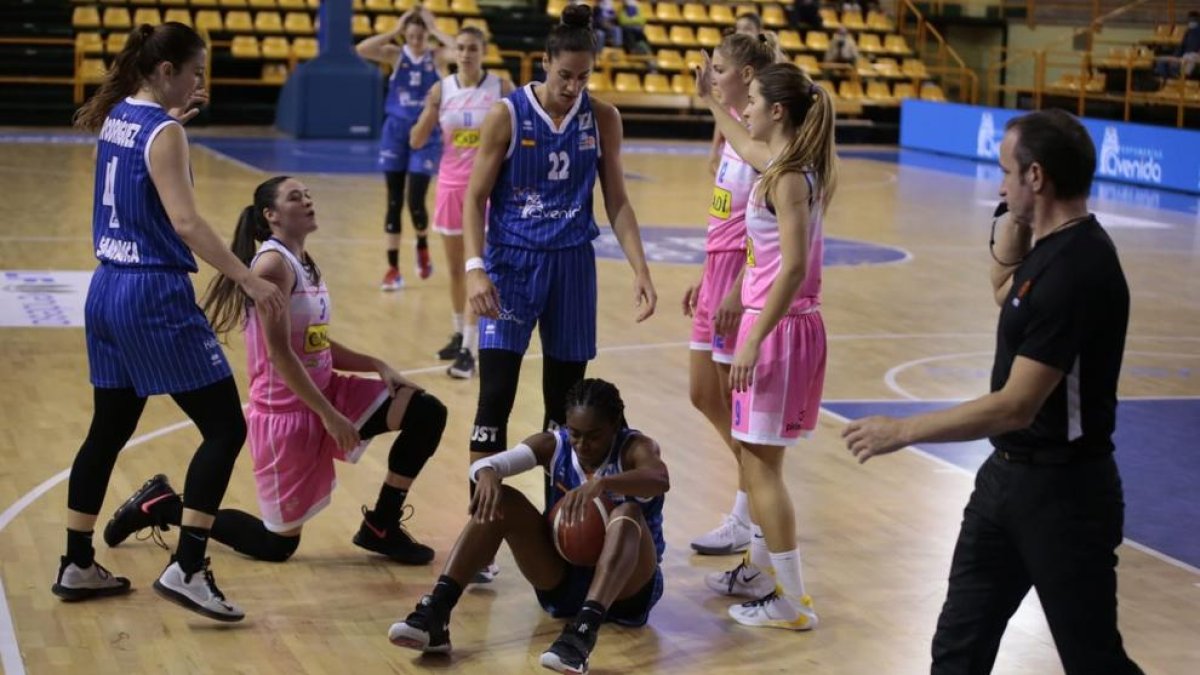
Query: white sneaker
{"type": "Point", "coordinates": [731, 536]}
{"type": "Point", "coordinates": [745, 580]}
{"type": "Point", "coordinates": [774, 610]}
{"type": "Point", "coordinates": [487, 574]}
{"type": "Point", "coordinates": [197, 592]}
{"type": "Point", "coordinates": [83, 583]}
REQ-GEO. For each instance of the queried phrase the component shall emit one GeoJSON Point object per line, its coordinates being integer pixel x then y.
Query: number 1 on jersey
{"type": "Point", "coordinates": [109, 197]}
{"type": "Point", "coordinates": [560, 165]}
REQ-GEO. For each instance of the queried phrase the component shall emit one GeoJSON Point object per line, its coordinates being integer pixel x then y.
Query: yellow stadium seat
{"type": "Point", "coordinates": [903, 90]}
{"type": "Point", "coordinates": [245, 47]}
{"type": "Point", "coordinates": [478, 22]}
{"type": "Point", "coordinates": [92, 70]}
{"type": "Point", "coordinates": [599, 82]}
{"type": "Point", "coordinates": [745, 9]}
{"type": "Point", "coordinates": [555, 7]}
{"type": "Point", "coordinates": [693, 58]}
{"type": "Point", "coordinates": [915, 68]}
{"type": "Point", "coordinates": [204, 3]}
{"type": "Point", "coordinates": [790, 40]}
{"type": "Point", "coordinates": [437, 6]}
{"type": "Point", "coordinates": [887, 68]}
{"type": "Point", "coordinates": [868, 43]}
{"type": "Point", "coordinates": [268, 22]}
{"type": "Point", "coordinates": [683, 36]}
{"type": "Point", "coordinates": [209, 20]}
{"type": "Point", "coordinates": [932, 92]}
{"type": "Point", "coordinates": [879, 21]}
{"type": "Point", "coordinates": [147, 15]}
{"type": "Point", "coordinates": [304, 48]}
{"type": "Point", "coordinates": [285, 4]}
{"type": "Point", "coordinates": [628, 83]}
{"type": "Point", "coordinates": [877, 90]}
{"type": "Point", "coordinates": [667, 12]}
{"type": "Point", "coordinates": [117, 18]}
{"type": "Point", "coordinates": [773, 16]}
{"type": "Point", "coordinates": [239, 22]}
{"type": "Point", "coordinates": [669, 59]}
{"type": "Point", "coordinates": [491, 56]}
{"type": "Point", "coordinates": [816, 40]}
{"type": "Point", "coordinates": [693, 12]}
{"type": "Point", "coordinates": [850, 89]}
{"type": "Point", "coordinates": [89, 43]}
{"type": "Point", "coordinates": [657, 83]}
{"type": "Point", "coordinates": [657, 35]}
{"type": "Point", "coordinates": [852, 19]}
{"type": "Point", "coordinates": [274, 73]}
{"type": "Point", "coordinates": [276, 47]}
{"type": "Point", "coordinates": [827, 86]}
{"type": "Point", "coordinates": [177, 15]}
{"type": "Point", "coordinates": [262, 4]}
{"type": "Point", "coordinates": [312, 4]}
{"type": "Point", "coordinates": [360, 25]}
{"type": "Point", "coordinates": [85, 17]}
{"type": "Point", "coordinates": [721, 14]}
{"type": "Point", "coordinates": [167, 3]}
{"type": "Point", "coordinates": [708, 36]}
{"type": "Point", "coordinates": [896, 44]}
{"type": "Point", "coordinates": [829, 19]}
{"type": "Point", "coordinates": [683, 83]}
{"type": "Point", "coordinates": [298, 23]}
{"type": "Point", "coordinates": [241, 4]}
{"type": "Point", "coordinates": [464, 7]}
{"type": "Point", "coordinates": [447, 24]}
{"type": "Point", "coordinates": [380, 6]}
{"type": "Point", "coordinates": [808, 63]}
{"type": "Point", "coordinates": [385, 22]}
{"type": "Point", "coordinates": [115, 42]}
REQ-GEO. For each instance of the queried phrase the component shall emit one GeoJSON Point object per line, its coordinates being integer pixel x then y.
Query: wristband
{"type": "Point", "coordinates": [475, 263]}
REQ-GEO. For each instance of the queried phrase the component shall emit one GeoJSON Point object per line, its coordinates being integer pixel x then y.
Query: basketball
{"type": "Point", "coordinates": [580, 543]}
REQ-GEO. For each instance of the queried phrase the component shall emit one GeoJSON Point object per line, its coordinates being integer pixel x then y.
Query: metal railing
{"type": "Point", "coordinates": [940, 58]}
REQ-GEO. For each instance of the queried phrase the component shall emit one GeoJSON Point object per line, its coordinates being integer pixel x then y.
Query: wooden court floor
{"type": "Point", "coordinates": [876, 540]}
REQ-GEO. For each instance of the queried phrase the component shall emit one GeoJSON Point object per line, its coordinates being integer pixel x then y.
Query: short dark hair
{"type": "Point", "coordinates": [1057, 141]}
{"type": "Point", "coordinates": [1193, 14]}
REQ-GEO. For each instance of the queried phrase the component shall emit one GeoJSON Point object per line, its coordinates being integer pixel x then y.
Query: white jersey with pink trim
{"type": "Point", "coordinates": [309, 313]}
{"type": "Point", "coordinates": [762, 253]}
{"type": "Point", "coordinates": [461, 116]}
{"type": "Point", "coordinates": [727, 213]}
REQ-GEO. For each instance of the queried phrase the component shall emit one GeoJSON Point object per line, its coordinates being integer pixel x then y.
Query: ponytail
{"type": "Point", "coordinates": [146, 47]}
{"type": "Point", "coordinates": [811, 112]}
{"type": "Point", "coordinates": [224, 301]}
{"type": "Point", "coordinates": [743, 50]}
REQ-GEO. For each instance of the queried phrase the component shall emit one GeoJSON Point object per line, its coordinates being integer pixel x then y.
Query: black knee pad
{"type": "Point", "coordinates": [420, 433]}
{"type": "Point", "coordinates": [278, 548]}
{"type": "Point", "coordinates": [418, 188]}
{"type": "Point", "coordinates": [499, 374]}
{"type": "Point", "coordinates": [395, 200]}
{"type": "Point", "coordinates": [557, 379]}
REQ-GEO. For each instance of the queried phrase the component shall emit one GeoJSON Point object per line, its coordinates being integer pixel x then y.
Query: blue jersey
{"type": "Point", "coordinates": [566, 474]}
{"type": "Point", "coordinates": [130, 227]}
{"type": "Point", "coordinates": [409, 84]}
{"type": "Point", "coordinates": [542, 199]}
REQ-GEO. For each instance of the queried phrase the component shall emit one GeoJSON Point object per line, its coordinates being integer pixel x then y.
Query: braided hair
{"type": "Point", "coordinates": [599, 395]}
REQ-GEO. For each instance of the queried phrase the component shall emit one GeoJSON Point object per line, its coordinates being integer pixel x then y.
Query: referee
{"type": "Point", "coordinates": [1047, 509]}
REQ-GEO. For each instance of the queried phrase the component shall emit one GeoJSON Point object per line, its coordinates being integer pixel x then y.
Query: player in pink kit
{"type": "Point", "coordinates": [714, 303]}
{"type": "Point", "coordinates": [302, 414]}
{"type": "Point", "coordinates": [458, 103]}
{"type": "Point", "coordinates": [779, 368]}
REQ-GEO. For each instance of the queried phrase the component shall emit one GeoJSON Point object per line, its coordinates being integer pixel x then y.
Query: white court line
{"type": "Point", "coordinates": [10, 654]}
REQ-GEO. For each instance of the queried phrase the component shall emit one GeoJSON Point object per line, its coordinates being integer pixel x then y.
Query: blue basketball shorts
{"type": "Point", "coordinates": [395, 154]}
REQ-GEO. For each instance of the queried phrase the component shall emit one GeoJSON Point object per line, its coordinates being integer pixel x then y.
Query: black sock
{"type": "Point", "coordinates": [79, 548]}
{"type": "Point", "coordinates": [193, 542]}
{"type": "Point", "coordinates": [422, 242]}
{"type": "Point", "coordinates": [446, 592]}
{"type": "Point", "coordinates": [387, 507]}
{"type": "Point", "coordinates": [589, 618]}
{"type": "Point", "coordinates": [393, 256]}
{"type": "Point", "coordinates": [171, 510]}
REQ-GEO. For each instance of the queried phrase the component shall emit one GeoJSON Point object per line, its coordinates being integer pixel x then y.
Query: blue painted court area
{"type": "Point", "coordinates": [1156, 451]}
{"type": "Point", "coordinates": [685, 246]}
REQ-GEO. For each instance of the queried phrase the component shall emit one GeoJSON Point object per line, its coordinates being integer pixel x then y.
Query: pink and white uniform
{"type": "Point", "coordinates": [293, 454]}
{"type": "Point", "coordinates": [725, 247]}
{"type": "Point", "coordinates": [784, 398]}
{"type": "Point", "coordinates": [460, 117]}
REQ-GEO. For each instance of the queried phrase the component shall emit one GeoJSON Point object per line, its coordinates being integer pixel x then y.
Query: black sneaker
{"type": "Point", "coordinates": [452, 348]}
{"type": "Point", "coordinates": [394, 541]}
{"type": "Point", "coordinates": [570, 652]}
{"type": "Point", "coordinates": [427, 629]}
{"type": "Point", "coordinates": [146, 508]}
{"type": "Point", "coordinates": [464, 366]}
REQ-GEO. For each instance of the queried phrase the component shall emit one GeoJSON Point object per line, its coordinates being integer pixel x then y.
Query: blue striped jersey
{"type": "Point", "coordinates": [542, 198]}
{"type": "Point", "coordinates": [566, 474]}
{"type": "Point", "coordinates": [129, 224]}
{"type": "Point", "coordinates": [409, 84]}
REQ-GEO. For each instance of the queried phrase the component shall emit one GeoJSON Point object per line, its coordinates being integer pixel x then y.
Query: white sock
{"type": "Point", "coordinates": [787, 573]}
{"type": "Point", "coordinates": [458, 322]}
{"type": "Point", "coordinates": [741, 507]}
{"type": "Point", "coordinates": [760, 557]}
{"type": "Point", "coordinates": [468, 333]}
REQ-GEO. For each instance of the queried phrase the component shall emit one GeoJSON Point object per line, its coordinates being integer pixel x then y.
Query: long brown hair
{"type": "Point", "coordinates": [224, 301]}
{"type": "Point", "coordinates": [810, 111]}
{"type": "Point", "coordinates": [746, 50]}
{"type": "Point", "coordinates": [146, 47]}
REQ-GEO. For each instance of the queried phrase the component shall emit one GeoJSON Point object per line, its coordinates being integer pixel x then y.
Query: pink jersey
{"type": "Point", "coordinates": [461, 116]}
{"type": "Point", "coordinates": [309, 308]}
{"type": "Point", "coordinates": [763, 259]}
{"type": "Point", "coordinates": [727, 213]}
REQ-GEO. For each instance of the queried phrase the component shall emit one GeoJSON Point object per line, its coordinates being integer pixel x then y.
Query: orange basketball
{"type": "Point", "coordinates": [580, 543]}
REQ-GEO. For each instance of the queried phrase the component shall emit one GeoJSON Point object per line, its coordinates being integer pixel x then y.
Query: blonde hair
{"type": "Point", "coordinates": [747, 50]}
{"type": "Point", "coordinates": [810, 110]}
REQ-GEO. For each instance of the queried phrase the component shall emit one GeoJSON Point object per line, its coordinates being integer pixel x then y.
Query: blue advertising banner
{"type": "Point", "coordinates": [1159, 157]}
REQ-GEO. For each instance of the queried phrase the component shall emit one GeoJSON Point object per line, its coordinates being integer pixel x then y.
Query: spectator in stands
{"type": "Point", "coordinates": [842, 48]}
{"type": "Point", "coordinates": [807, 13]}
{"type": "Point", "coordinates": [633, 26]}
{"type": "Point", "coordinates": [749, 23]}
{"type": "Point", "coordinates": [1189, 48]}
{"type": "Point", "coordinates": [608, 32]}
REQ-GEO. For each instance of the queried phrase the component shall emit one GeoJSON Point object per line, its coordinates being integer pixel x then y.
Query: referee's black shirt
{"type": "Point", "coordinates": [1068, 309]}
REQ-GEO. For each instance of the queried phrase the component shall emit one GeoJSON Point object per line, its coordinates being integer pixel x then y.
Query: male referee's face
{"type": "Point", "coordinates": [1015, 188]}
